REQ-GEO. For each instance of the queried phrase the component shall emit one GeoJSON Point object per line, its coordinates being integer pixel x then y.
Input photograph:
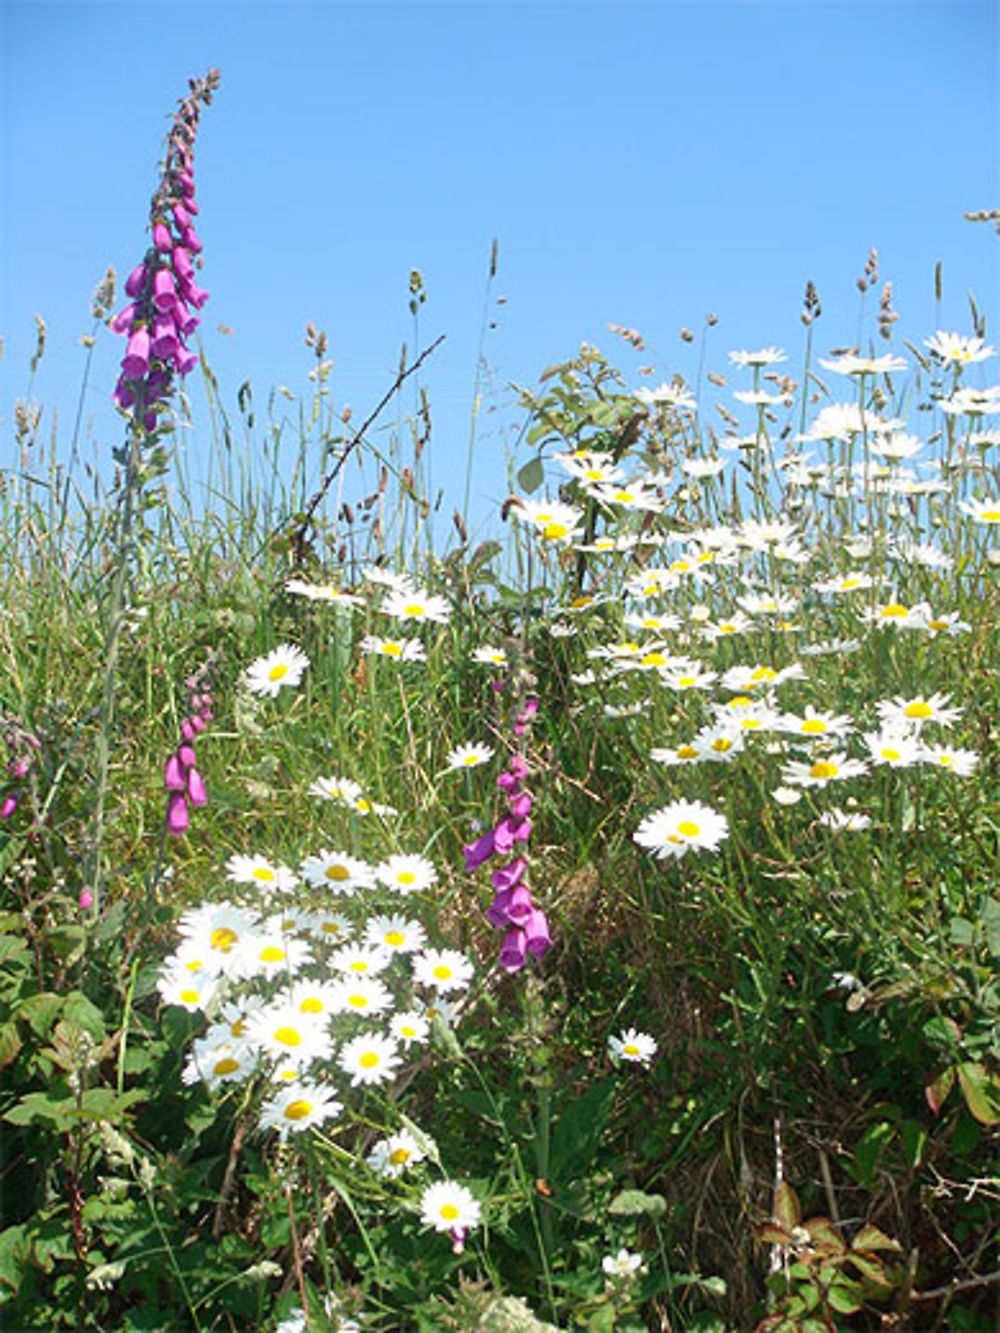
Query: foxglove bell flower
{"type": "Point", "coordinates": [162, 286]}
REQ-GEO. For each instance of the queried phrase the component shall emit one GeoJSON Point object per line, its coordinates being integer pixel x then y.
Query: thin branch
{"type": "Point", "coordinates": [299, 538]}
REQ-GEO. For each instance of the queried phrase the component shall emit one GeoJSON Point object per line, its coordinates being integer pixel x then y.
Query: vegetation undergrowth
{"type": "Point", "coordinates": [593, 927]}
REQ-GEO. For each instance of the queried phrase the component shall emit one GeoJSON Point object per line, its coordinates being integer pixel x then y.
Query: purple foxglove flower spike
{"type": "Point", "coordinates": [509, 875]}
{"type": "Point", "coordinates": [164, 290]}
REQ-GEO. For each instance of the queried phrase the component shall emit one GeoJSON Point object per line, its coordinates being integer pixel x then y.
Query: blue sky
{"type": "Point", "coordinates": [643, 163]}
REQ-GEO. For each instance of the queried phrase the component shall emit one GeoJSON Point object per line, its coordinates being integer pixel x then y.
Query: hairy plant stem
{"type": "Point", "coordinates": [112, 638]}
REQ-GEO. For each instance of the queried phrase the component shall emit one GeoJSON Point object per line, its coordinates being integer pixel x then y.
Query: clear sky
{"type": "Point", "coordinates": [642, 163]}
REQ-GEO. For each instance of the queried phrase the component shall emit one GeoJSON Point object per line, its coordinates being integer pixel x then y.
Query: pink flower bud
{"type": "Point", "coordinates": [136, 360]}
{"type": "Point", "coordinates": [164, 290]}
{"type": "Point", "coordinates": [173, 774]}
{"type": "Point", "coordinates": [181, 216]}
{"type": "Point", "coordinates": [187, 731]}
{"type": "Point", "coordinates": [183, 268]}
{"type": "Point", "coordinates": [135, 280]}
{"type": "Point", "coordinates": [197, 794]}
{"type": "Point", "coordinates": [184, 361]}
{"type": "Point", "coordinates": [193, 294]}
{"type": "Point", "coordinates": [124, 395]}
{"type": "Point", "coordinates": [187, 756]}
{"type": "Point", "coordinates": [198, 722]}
{"type": "Point", "coordinates": [521, 805]}
{"type": "Point", "coordinates": [177, 814]}
{"type": "Point", "coordinates": [162, 238]}
{"type": "Point", "coordinates": [123, 321]}
{"type": "Point", "coordinates": [191, 240]}
{"type": "Point", "coordinates": [536, 933]}
{"type": "Point", "coordinates": [86, 900]}
{"type": "Point", "coordinates": [479, 851]}
{"type": "Point", "coordinates": [165, 341]}
{"type": "Point", "coordinates": [509, 875]}
{"type": "Point", "coordinates": [8, 806]}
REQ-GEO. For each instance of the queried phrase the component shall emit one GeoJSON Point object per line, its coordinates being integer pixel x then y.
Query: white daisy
{"type": "Point", "coordinates": [192, 990]}
{"type": "Point", "coordinates": [892, 749]}
{"type": "Point", "coordinates": [409, 1027]}
{"type": "Point", "coordinates": [443, 969]}
{"type": "Point", "coordinates": [415, 604]}
{"type": "Point", "coordinates": [961, 762]}
{"type": "Point", "coordinates": [395, 934]}
{"type": "Point", "coordinates": [338, 872]}
{"type": "Point", "coordinates": [491, 656]}
{"type": "Point", "coordinates": [680, 826]}
{"type": "Point", "coordinates": [262, 872]}
{"type": "Point", "coordinates": [298, 1107]}
{"type": "Point", "coordinates": [766, 356]}
{"type": "Point", "coordinates": [406, 873]}
{"type": "Point", "coordinates": [448, 1206]}
{"type": "Point", "coordinates": [365, 996]}
{"type": "Point", "coordinates": [630, 1045]}
{"type": "Point", "coordinates": [360, 960]}
{"type": "Point", "coordinates": [282, 667]}
{"type": "Point", "coordinates": [901, 713]}
{"type": "Point", "coordinates": [393, 1156]}
{"type": "Point", "coordinates": [284, 1032]}
{"type": "Point", "coordinates": [820, 772]}
{"type": "Point", "coordinates": [956, 349]}
{"type": "Point", "coordinates": [399, 650]}
{"type": "Point", "coordinates": [369, 1059]}
{"type": "Point", "coordinates": [469, 756]}
{"type": "Point", "coordinates": [218, 1059]}
{"type": "Point", "coordinates": [323, 592]}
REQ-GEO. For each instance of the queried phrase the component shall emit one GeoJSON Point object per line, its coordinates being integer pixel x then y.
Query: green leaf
{"type": "Point", "coordinates": [936, 1092]}
{"type": "Point", "coordinates": [67, 942]}
{"type": "Point", "coordinates": [10, 1043]}
{"type": "Point", "coordinates": [961, 931]}
{"type": "Point", "coordinates": [15, 1254]}
{"type": "Point", "coordinates": [990, 917]}
{"type": "Point", "coordinates": [38, 1108]}
{"type": "Point", "coordinates": [870, 1238]}
{"type": "Point", "coordinates": [40, 1011]}
{"type": "Point", "coordinates": [81, 1012]}
{"type": "Point", "coordinates": [914, 1137]}
{"type": "Point", "coordinates": [578, 1131]}
{"type": "Point", "coordinates": [531, 475]}
{"type": "Point", "coordinates": [981, 1089]}
{"type": "Point", "coordinates": [632, 1203]}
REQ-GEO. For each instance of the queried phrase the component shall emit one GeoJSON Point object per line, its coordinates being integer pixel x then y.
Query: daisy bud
{"type": "Point", "coordinates": [173, 774]}
{"type": "Point", "coordinates": [513, 954]}
{"type": "Point", "coordinates": [177, 814]}
{"type": "Point", "coordinates": [197, 794]}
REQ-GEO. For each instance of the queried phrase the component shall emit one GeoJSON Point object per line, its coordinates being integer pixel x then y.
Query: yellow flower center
{"type": "Point", "coordinates": [918, 709]}
{"type": "Point", "coordinates": [471, 760]}
{"type": "Point", "coordinates": [740, 701]}
{"type": "Point", "coordinates": [653, 659]}
{"type": "Point", "coordinates": [278, 672]}
{"type": "Point", "coordinates": [297, 1110]}
{"type": "Point", "coordinates": [359, 965]}
{"type": "Point", "coordinates": [338, 873]}
{"type": "Point", "coordinates": [358, 1001]}
{"type": "Point", "coordinates": [223, 939]}
{"type": "Point", "coordinates": [265, 874]}
{"type": "Point", "coordinates": [553, 531]}
{"type": "Point", "coordinates": [813, 726]}
{"type": "Point", "coordinates": [946, 760]}
{"type": "Point", "coordinates": [890, 755]}
{"type": "Point", "coordinates": [392, 650]}
{"type": "Point", "coordinates": [685, 682]}
{"type": "Point", "coordinates": [399, 1156]}
{"type": "Point", "coordinates": [578, 603]}
{"type": "Point", "coordinates": [189, 997]}
{"type": "Point", "coordinates": [823, 769]}
{"type": "Point", "coordinates": [311, 1005]}
{"type": "Point", "coordinates": [288, 1036]}
{"type": "Point", "coordinates": [406, 877]}
{"type": "Point", "coordinates": [395, 938]}
{"type": "Point", "coordinates": [369, 1060]}
{"type": "Point", "coordinates": [848, 584]}
{"type": "Point", "coordinates": [271, 954]}
{"type": "Point", "coordinates": [990, 515]}
{"type": "Point", "coordinates": [442, 972]}
{"type": "Point", "coordinates": [194, 965]}
{"type": "Point", "coordinates": [414, 609]}
{"type": "Point", "coordinates": [630, 1049]}
{"type": "Point", "coordinates": [227, 1065]}
{"type": "Point", "coordinates": [237, 1028]}
{"type": "Point", "coordinates": [686, 752]}
{"type": "Point", "coordinates": [763, 673]}
{"type": "Point", "coordinates": [895, 610]}
{"type": "Point", "coordinates": [721, 744]}
{"type": "Point", "coordinates": [449, 1212]}
{"type": "Point", "coordinates": [688, 829]}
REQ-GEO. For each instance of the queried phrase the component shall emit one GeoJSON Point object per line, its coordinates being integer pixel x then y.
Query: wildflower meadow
{"type": "Point", "coordinates": [591, 927]}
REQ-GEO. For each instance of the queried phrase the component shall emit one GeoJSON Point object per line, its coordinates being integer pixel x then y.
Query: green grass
{"type": "Point", "coordinates": [823, 1000]}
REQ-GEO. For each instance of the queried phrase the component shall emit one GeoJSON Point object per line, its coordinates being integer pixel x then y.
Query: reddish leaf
{"type": "Point", "coordinates": [937, 1091]}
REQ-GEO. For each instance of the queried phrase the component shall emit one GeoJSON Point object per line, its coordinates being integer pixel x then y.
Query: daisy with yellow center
{"type": "Point", "coordinates": [442, 969]}
{"type": "Point", "coordinates": [406, 874]}
{"type": "Point", "coordinates": [337, 872]}
{"type": "Point", "coordinates": [680, 827]}
{"type": "Point", "coordinates": [632, 1046]}
{"type": "Point", "coordinates": [904, 714]}
{"type": "Point", "coordinates": [298, 1107]}
{"type": "Point", "coordinates": [819, 772]}
{"type": "Point", "coordinates": [370, 1059]}
{"type": "Point", "coordinates": [448, 1206]}
{"type": "Point", "coordinates": [282, 667]}
{"type": "Point", "coordinates": [393, 1156]}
